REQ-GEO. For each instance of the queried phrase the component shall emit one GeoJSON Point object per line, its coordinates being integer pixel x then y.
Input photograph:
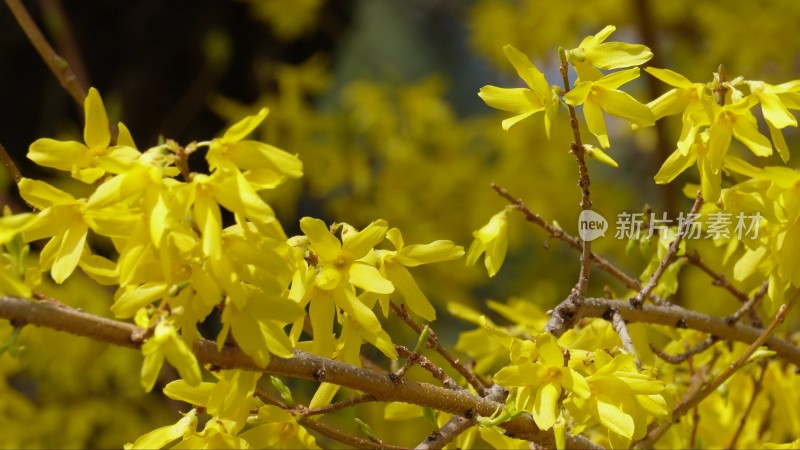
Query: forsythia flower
{"type": "Point", "coordinates": [491, 239]}
{"type": "Point", "coordinates": [619, 397]}
{"type": "Point", "coordinates": [539, 384]}
{"type": "Point", "coordinates": [602, 95]}
{"type": "Point", "coordinates": [523, 101]}
{"type": "Point", "coordinates": [265, 166]}
{"type": "Point", "coordinates": [685, 98]}
{"type": "Point", "coordinates": [735, 120]}
{"type": "Point", "coordinates": [165, 343]}
{"type": "Point", "coordinates": [76, 157]}
{"type": "Point", "coordinates": [607, 55]}
{"type": "Point", "coordinates": [679, 161]}
{"type": "Point", "coordinates": [61, 217]}
{"type": "Point", "coordinates": [774, 102]}
{"type": "Point", "coordinates": [393, 266]}
{"type": "Point", "coordinates": [338, 269]}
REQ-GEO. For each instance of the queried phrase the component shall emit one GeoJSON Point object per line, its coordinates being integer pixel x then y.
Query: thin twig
{"type": "Point", "coordinates": [688, 403]}
{"type": "Point", "coordinates": [622, 330]}
{"type": "Point", "coordinates": [681, 357]}
{"type": "Point", "coordinates": [749, 304]}
{"type": "Point", "coordinates": [583, 180]}
{"type": "Point", "coordinates": [638, 300]}
{"type": "Point", "coordinates": [743, 420]}
{"type": "Point", "coordinates": [555, 232]}
{"type": "Point", "coordinates": [333, 407]}
{"type": "Point", "coordinates": [58, 65]}
{"type": "Point", "coordinates": [326, 430]}
{"type": "Point", "coordinates": [427, 364]}
{"type": "Point", "coordinates": [695, 426]}
{"type": "Point", "coordinates": [433, 342]}
{"type": "Point", "coordinates": [11, 168]}
{"type": "Point", "coordinates": [58, 26]}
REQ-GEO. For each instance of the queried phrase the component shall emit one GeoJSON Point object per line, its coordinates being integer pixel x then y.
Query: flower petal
{"type": "Point", "coordinates": [96, 133]}
{"type": "Point", "coordinates": [42, 195]}
{"type": "Point", "coordinates": [322, 241]}
{"type": "Point", "coordinates": [614, 419]}
{"type": "Point", "coordinates": [369, 279]}
{"type": "Point", "coordinates": [775, 113]}
{"type": "Point", "coordinates": [670, 77]}
{"type": "Point", "coordinates": [746, 132]}
{"type": "Point", "coordinates": [621, 104]}
{"type": "Point", "coordinates": [242, 128]}
{"type": "Point", "coordinates": [59, 155]}
{"type": "Point", "coordinates": [675, 164]}
{"type": "Point", "coordinates": [596, 122]}
{"type": "Point", "coordinates": [614, 55]}
{"type": "Point", "coordinates": [524, 67]}
{"type": "Point", "coordinates": [69, 251]}
{"type": "Point", "coordinates": [544, 405]}
{"type": "Point", "coordinates": [516, 100]}
{"type": "Point", "coordinates": [407, 287]}
{"type": "Point", "coordinates": [436, 251]}
{"type": "Point", "coordinates": [360, 243]}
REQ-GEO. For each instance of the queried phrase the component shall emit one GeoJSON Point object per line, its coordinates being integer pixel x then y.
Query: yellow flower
{"type": "Point", "coordinates": [78, 158]}
{"type": "Point", "coordinates": [539, 384]}
{"type": "Point", "coordinates": [61, 217]}
{"type": "Point", "coordinates": [393, 266]}
{"type": "Point", "coordinates": [491, 239]}
{"type": "Point", "coordinates": [687, 98]}
{"type": "Point", "coordinates": [338, 269]}
{"type": "Point", "coordinates": [594, 51]}
{"type": "Point", "coordinates": [265, 166]}
{"type": "Point", "coordinates": [523, 101]}
{"type": "Point", "coordinates": [160, 437]}
{"type": "Point", "coordinates": [165, 343]}
{"type": "Point", "coordinates": [678, 161]}
{"type": "Point", "coordinates": [735, 120]}
{"type": "Point", "coordinates": [602, 95]}
{"type": "Point", "coordinates": [775, 101]}
{"type": "Point", "coordinates": [621, 398]}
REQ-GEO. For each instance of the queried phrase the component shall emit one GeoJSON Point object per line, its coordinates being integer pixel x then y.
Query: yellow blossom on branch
{"type": "Point", "coordinates": [524, 102]}
{"type": "Point", "coordinates": [601, 96]}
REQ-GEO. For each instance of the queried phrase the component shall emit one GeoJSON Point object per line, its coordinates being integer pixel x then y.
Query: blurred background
{"type": "Point", "coordinates": [379, 99]}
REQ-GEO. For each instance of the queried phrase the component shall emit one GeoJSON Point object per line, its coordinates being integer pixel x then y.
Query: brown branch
{"type": "Point", "coordinates": [333, 407]}
{"type": "Point", "coordinates": [427, 364]}
{"type": "Point", "coordinates": [751, 303]}
{"type": "Point", "coordinates": [583, 180]}
{"type": "Point", "coordinates": [627, 343]}
{"type": "Point", "coordinates": [555, 232]}
{"type": "Point", "coordinates": [638, 300]}
{"type": "Point", "coordinates": [11, 168]}
{"type": "Point", "coordinates": [58, 26]}
{"type": "Point", "coordinates": [688, 403]}
{"type": "Point", "coordinates": [458, 424]}
{"type": "Point", "coordinates": [303, 365]}
{"type": "Point", "coordinates": [433, 342]}
{"type": "Point", "coordinates": [676, 316]}
{"type": "Point", "coordinates": [60, 68]}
